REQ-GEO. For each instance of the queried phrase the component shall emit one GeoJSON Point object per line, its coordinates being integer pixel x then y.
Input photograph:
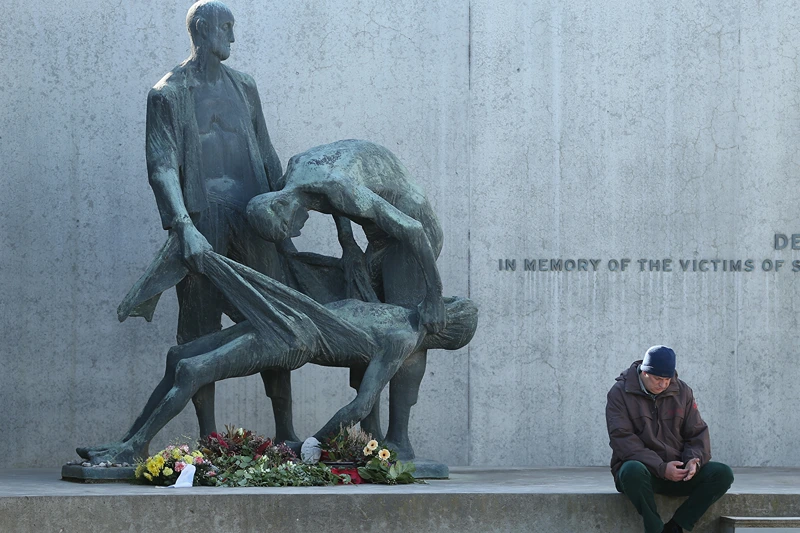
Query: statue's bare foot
{"type": "Point", "coordinates": [120, 452]}
{"type": "Point", "coordinates": [85, 452]}
{"type": "Point", "coordinates": [405, 452]}
{"type": "Point", "coordinates": [89, 452]}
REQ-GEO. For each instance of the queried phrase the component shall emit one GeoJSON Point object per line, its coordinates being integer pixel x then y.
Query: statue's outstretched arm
{"type": "Point", "coordinates": [354, 263]}
{"type": "Point", "coordinates": [360, 202]}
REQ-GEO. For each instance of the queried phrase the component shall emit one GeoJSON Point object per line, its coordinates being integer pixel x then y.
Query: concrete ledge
{"type": "Point", "coordinates": [569, 500]}
{"type": "Point", "coordinates": [743, 524]}
{"type": "Point", "coordinates": [749, 521]}
{"type": "Point", "coordinates": [427, 469]}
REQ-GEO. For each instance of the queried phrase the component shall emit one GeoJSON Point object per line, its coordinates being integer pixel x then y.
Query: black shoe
{"type": "Point", "coordinates": [672, 527]}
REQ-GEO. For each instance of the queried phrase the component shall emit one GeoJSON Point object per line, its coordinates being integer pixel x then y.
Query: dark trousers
{"type": "Point", "coordinates": [707, 486]}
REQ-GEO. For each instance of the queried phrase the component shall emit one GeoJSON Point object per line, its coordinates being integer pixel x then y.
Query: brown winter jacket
{"type": "Point", "coordinates": [654, 432]}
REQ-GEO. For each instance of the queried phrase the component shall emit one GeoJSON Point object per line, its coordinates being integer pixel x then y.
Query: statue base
{"type": "Point", "coordinates": [98, 474]}
{"type": "Point", "coordinates": [427, 469]}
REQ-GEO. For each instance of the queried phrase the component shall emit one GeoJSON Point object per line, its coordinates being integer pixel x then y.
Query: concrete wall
{"type": "Point", "coordinates": [540, 130]}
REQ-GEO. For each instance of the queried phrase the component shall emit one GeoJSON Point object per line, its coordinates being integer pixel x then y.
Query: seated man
{"type": "Point", "coordinates": [660, 443]}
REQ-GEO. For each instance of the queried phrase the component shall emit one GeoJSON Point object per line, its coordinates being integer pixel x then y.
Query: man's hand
{"type": "Point", "coordinates": [691, 468]}
{"type": "Point", "coordinates": [674, 472]}
{"type": "Point", "coordinates": [193, 246]}
{"type": "Point", "coordinates": [431, 313]}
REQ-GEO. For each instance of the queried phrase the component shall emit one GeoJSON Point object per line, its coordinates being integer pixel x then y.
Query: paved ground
{"type": "Point", "coordinates": [463, 480]}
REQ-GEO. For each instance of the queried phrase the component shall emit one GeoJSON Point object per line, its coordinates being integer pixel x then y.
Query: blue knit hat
{"type": "Point", "coordinates": [659, 361]}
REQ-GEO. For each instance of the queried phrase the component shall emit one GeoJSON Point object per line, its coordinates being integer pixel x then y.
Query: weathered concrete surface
{"type": "Point", "coordinates": [475, 500]}
{"type": "Point", "coordinates": [616, 130]}
{"type": "Point", "coordinates": [539, 130]}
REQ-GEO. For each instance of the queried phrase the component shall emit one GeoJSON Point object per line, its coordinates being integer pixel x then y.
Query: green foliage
{"type": "Point", "coordinates": [244, 459]}
{"type": "Point", "coordinates": [387, 472]}
{"type": "Point", "coordinates": [245, 471]}
{"type": "Point", "coordinates": [376, 464]}
{"type": "Point", "coordinates": [219, 447]}
{"type": "Point", "coordinates": [346, 446]}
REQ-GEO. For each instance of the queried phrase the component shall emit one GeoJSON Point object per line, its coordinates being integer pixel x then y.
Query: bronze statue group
{"type": "Point", "coordinates": [231, 213]}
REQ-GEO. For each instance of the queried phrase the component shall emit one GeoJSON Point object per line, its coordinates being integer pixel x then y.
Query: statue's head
{"type": "Point", "coordinates": [461, 321]}
{"type": "Point", "coordinates": [210, 25]}
{"type": "Point", "coordinates": [277, 215]}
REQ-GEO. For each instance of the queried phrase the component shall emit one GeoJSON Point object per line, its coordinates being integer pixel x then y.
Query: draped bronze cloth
{"type": "Point", "coordinates": [279, 313]}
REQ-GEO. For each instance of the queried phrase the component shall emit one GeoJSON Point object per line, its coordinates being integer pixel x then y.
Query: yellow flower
{"type": "Point", "coordinates": [372, 445]}
{"type": "Point", "coordinates": [176, 453]}
{"type": "Point", "coordinates": [148, 477]}
{"type": "Point", "coordinates": [188, 459]}
{"type": "Point", "coordinates": [140, 470]}
{"type": "Point", "coordinates": [197, 454]}
{"type": "Point", "coordinates": [384, 454]}
{"type": "Point", "coordinates": [367, 451]}
{"type": "Point", "coordinates": [168, 471]}
{"type": "Point", "coordinates": [154, 464]}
